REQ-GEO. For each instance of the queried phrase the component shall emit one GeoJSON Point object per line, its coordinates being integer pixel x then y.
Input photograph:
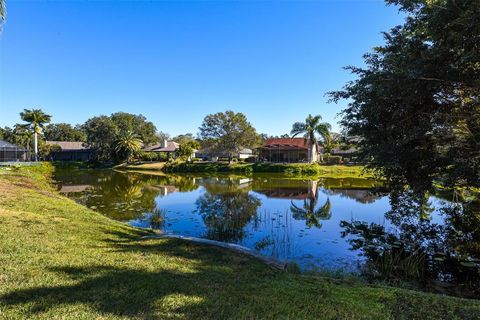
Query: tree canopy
{"type": "Point", "coordinates": [103, 132]}
{"type": "Point", "coordinates": [138, 124]}
{"type": "Point", "coordinates": [64, 132]}
{"type": "Point", "coordinates": [416, 104]}
{"type": "Point", "coordinates": [227, 132]}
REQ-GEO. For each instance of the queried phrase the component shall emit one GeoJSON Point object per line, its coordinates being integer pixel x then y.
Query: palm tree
{"type": "Point", "coordinates": [330, 142]}
{"type": "Point", "coordinates": [36, 119]}
{"type": "Point", "coordinates": [309, 129]}
{"type": "Point", "coordinates": [128, 144]}
{"type": "Point", "coordinates": [23, 136]}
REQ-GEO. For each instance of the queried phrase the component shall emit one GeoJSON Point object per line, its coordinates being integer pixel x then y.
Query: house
{"type": "Point", "coordinates": [10, 152]}
{"type": "Point", "coordinates": [212, 155]}
{"type": "Point", "coordinates": [70, 151]}
{"type": "Point", "coordinates": [169, 148]}
{"type": "Point", "coordinates": [245, 153]}
{"type": "Point", "coordinates": [289, 150]}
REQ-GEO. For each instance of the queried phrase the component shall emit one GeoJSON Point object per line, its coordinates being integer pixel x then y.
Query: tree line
{"type": "Point", "coordinates": [121, 136]}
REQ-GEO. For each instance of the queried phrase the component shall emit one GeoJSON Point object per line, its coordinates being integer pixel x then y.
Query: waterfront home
{"type": "Point", "coordinates": [289, 150]}
{"type": "Point", "coordinates": [168, 148]}
{"type": "Point", "coordinates": [70, 151]}
{"type": "Point", "coordinates": [212, 155]}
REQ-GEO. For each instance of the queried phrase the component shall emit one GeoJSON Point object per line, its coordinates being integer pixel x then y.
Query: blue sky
{"type": "Point", "coordinates": [175, 62]}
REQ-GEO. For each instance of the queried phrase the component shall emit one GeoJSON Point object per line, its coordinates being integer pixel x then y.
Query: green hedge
{"type": "Point", "coordinates": [333, 159]}
{"type": "Point", "coordinates": [152, 156]}
{"type": "Point", "coordinates": [294, 169]}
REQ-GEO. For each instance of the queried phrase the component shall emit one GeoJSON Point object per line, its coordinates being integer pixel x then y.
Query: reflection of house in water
{"type": "Point", "coordinates": [74, 188]}
{"type": "Point", "coordinates": [284, 193]}
{"type": "Point", "coordinates": [359, 195]}
{"type": "Point", "coordinates": [163, 190]}
{"type": "Point", "coordinates": [299, 192]}
{"type": "Point", "coordinates": [222, 184]}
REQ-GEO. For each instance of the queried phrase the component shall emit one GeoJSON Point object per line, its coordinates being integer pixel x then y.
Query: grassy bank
{"type": "Point", "coordinates": [297, 169]}
{"type": "Point", "coordinates": [61, 260]}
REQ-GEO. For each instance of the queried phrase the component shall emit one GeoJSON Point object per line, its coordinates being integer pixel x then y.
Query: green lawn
{"type": "Point", "coordinates": [60, 260]}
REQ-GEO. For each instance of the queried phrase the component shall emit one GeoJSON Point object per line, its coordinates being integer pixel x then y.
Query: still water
{"type": "Point", "coordinates": [339, 225]}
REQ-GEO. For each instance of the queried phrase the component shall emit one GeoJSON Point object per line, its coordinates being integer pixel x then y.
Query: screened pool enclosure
{"type": "Point", "coordinates": [11, 153]}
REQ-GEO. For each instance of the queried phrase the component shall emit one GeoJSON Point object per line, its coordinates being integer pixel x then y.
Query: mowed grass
{"type": "Point", "coordinates": [60, 260]}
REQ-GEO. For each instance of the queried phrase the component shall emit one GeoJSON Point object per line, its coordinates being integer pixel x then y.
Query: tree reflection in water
{"type": "Point", "coordinates": [311, 215]}
{"type": "Point", "coordinates": [308, 211]}
{"type": "Point", "coordinates": [227, 210]}
{"type": "Point", "coordinates": [442, 257]}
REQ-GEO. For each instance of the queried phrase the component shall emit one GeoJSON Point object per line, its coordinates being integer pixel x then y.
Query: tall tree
{"type": "Point", "coordinates": [138, 124]}
{"type": "Point", "coordinates": [101, 134]}
{"type": "Point", "coordinates": [310, 128]}
{"type": "Point", "coordinates": [228, 132]}
{"type": "Point", "coordinates": [64, 132]}
{"type": "Point", "coordinates": [416, 104]}
{"type": "Point", "coordinates": [37, 119]}
{"type": "Point", "coordinates": [103, 131]}
{"type": "Point", "coordinates": [183, 138]}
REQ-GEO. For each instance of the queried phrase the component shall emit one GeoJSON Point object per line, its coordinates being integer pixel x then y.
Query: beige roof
{"type": "Point", "coordinates": [68, 145]}
{"type": "Point", "coordinates": [171, 147]}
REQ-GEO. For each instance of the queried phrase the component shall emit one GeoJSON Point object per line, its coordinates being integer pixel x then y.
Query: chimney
{"type": "Point", "coordinates": [164, 143]}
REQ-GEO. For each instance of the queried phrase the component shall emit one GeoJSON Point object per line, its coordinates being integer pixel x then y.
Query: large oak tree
{"type": "Point", "coordinates": [227, 133]}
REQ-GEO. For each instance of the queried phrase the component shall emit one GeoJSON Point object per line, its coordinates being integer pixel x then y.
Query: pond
{"type": "Point", "coordinates": [339, 226]}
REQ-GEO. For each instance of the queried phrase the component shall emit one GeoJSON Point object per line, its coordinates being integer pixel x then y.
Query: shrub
{"type": "Point", "coordinates": [333, 159]}
{"type": "Point", "coordinates": [151, 156]}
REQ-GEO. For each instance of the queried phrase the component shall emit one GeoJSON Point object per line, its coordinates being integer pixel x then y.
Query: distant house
{"type": "Point", "coordinates": [212, 155]}
{"type": "Point", "coordinates": [288, 150]}
{"type": "Point", "coordinates": [245, 153]}
{"type": "Point", "coordinates": [169, 148]}
{"type": "Point", "coordinates": [70, 151]}
{"type": "Point", "coordinates": [344, 152]}
{"type": "Point", "coordinates": [10, 152]}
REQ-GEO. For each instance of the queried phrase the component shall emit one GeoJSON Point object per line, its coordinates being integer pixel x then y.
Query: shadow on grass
{"type": "Point", "coordinates": [190, 282]}
{"type": "Point", "coordinates": [117, 291]}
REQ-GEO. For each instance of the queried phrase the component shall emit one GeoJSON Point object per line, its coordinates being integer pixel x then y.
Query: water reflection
{"type": "Point", "coordinates": [438, 253]}
{"type": "Point", "coordinates": [355, 225]}
{"type": "Point", "coordinates": [226, 208]}
{"type": "Point", "coordinates": [309, 211]}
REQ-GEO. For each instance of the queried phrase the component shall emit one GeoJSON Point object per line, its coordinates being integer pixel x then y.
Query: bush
{"type": "Point", "coordinates": [251, 160]}
{"type": "Point", "coordinates": [151, 156]}
{"type": "Point", "coordinates": [333, 159]}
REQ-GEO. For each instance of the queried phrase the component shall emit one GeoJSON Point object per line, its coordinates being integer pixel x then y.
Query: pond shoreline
{"type": "Point", "coordinates": [291, 169]}
{"type": "Point", "coordinates": [274, 263]}
{"type": "Point", "coordinates": [76, 254]}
